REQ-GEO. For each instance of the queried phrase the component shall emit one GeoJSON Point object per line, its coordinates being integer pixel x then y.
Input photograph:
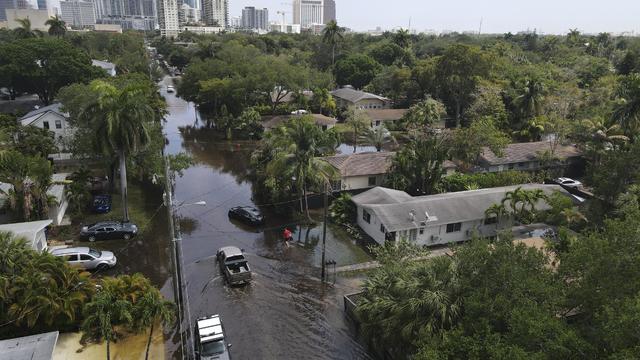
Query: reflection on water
{"type": "Point", "coordinates": [286, 312]}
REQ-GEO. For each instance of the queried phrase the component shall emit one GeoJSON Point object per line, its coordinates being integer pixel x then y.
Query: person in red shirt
{"type": "Point", "coordinates": [288, 235]}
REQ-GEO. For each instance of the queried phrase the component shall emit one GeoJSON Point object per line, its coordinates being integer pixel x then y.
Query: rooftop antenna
{"type": "Point", "coordinates": [480, 29]}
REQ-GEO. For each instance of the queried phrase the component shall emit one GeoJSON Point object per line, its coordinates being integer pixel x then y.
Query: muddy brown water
{"type": "Point", "coordinates": [286, 312]}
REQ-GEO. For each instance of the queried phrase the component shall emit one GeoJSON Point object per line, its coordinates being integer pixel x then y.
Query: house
{"type": "Point", "coordinates": [33, 347]}
{"type": "Point", "coordinates": [390, 215]}
{"type": "Point", "coordinates": [324, 122]}
{"type": "Point", "coordinates": [33, 231]}
{"type": "Point", "coordinates": [526, 157]}
{"type": "Point", "coordinates": [384, 116]}
{"type": "Point", "coordinates": [366, 170]}
{"type": "Point", "coordinates": [110, 68]}
{"type": "Point", "coordinates": [349, 97]}
{"type": "Point", "coordinates": [53, 119]}
{"type": "Point", "coordinates": [290, 96]}
{"type": "Point", "coordinates": [56, 192]}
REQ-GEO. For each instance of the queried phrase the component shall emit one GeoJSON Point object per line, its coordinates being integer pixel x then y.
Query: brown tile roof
{"type": "Point", "coordinates": [386, 114]}
{"type": "Point", "coordinates": [270, 122]}
{"type": "Point", "coordinates": [362, 164]}
{"type": "Point", "coordinates": [525, 152]}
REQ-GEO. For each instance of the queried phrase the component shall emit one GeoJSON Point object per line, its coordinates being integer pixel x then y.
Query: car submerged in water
{"type": "Point", "coordinates": [247, 214]}
{"type": "Point", "coordinates": [210, 341]}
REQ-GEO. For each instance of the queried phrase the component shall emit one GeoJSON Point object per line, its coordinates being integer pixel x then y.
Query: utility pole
{"type": "Point", "coordinates": [324, 230]}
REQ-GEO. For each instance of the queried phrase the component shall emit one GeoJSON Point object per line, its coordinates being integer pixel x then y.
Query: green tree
{"type": "Point", "coordinates": [469, 143]}
{"type": "Point", "coordinates": [103, 313]}
{"type": "Point", "coordinates": [332, 34]}
{"type": "Point", "coordinates": [529, 99]}
{"type": "Point", "coordinates": [24, 31]}
{"type": "Point", "coordinates": [120, 119]}
{"type": "Point", "coordinates": [357, 122]}
{"type": "Point", "coordinates": [424, 115]}
{"type": "Point", "coordinates": [522, 202]}
{"type": "Point", "coordinates": [402, 38]}
{"type": "Point", "coordinates": [323, 102]}
{"type": "Point", "coordinates": [57, 26]}
{"type": "Point", "coordinates": [356, 70]}
{"type": "Point", "coordinates": [377, 136]}
{"type": "Point", "coordinates": [417, 167]}
{"type": "Point", "coordinates": [149, 310]}
{"type": "Point", "coordinates": [627, 113]}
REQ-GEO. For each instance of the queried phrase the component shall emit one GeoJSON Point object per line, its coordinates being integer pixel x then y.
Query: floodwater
{"type": "Point", "coordinates": [286, 312]}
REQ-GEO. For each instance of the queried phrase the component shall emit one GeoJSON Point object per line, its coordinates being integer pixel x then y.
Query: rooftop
{"type": "Point", "coordinates": [367, 163]}
{"type": "Point", "coordinates": [393, 207]}
{"type": "Point", "coordinates": [386, 114]}
{"type": "Point", "coordinates": [29, 117]}
{"type": "Point", "coordinates": [270, 122]}
{"type": "Point", "coordinates": [34, 347]}
{"type": "Point", "coordinates": [354, 96]}
{"type": "Point", "coordinates": [103, 64]}
{"type": "Point", "coordinates": [525, 152]}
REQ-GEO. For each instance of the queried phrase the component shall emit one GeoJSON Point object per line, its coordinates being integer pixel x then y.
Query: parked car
{"type": "Point", "coordinates": [171, 89]}
{"type": "Point", "coordinates": [247, 214]}
{"type": "Point", "coordinates": [101, 204]}
{"type": "Point", "coordinates": [299, 112]}
{"type": "Point", "coordinates": [564, 181]}
{"type": "Point", "coordinates": [86, 258]}
{"type": "Point", "coordinates": [210, 341]}
{"type": "Point", "coordinates": [234, 265]}
{"type": "Point", "coordinates": [109, 230]}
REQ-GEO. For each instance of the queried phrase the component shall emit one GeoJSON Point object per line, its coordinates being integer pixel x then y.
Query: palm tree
{"type": "Point", "coordinates": [24, 31]}
{"type": "Point", "coordinates": [150, 309]}
{"type": "Point", "coordinates": [14, 170]}
{"type": "Point", "coordinates": [529, 99]}
{"type": "Point", "coordinates": [498, 211]}
{"type": "Point", "coordinates": [378, 137]}
{"type": "Point", "coordinates": [627, 113]}
{"type": "Point", "coordinates": [323, 100]}
{"type": "Point", "coordinates": [402, 38]}
{"type": "Point", "coordinates": [520, 198]}
{"type": "Point", "coordinates": [358, 121]}
{"type": "Point", "coordinates": [57, 26]}
{"type": "Point", "coordinates": [332, 34]}
{"type": "Point", "coordinates": [104, 312]}
{"type": "Point", "coordinates": [600, 137]}
{"type": "Point", "coordinates": [120, 118]}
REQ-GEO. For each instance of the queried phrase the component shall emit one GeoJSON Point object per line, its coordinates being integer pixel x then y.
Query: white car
{"type": "Point", "coordinates": [299, 112]}
{"type": "Point", "coordinates": [86, 258]}
{"type": "Point", "coordinates": [171, 89]}
{"type": "Point", "coordinates": [568, 182]}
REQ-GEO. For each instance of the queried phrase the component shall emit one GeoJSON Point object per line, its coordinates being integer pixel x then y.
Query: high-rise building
{"type": "Point", "coordinates": [129, 14]}
{"type": "Point", "coordinates": [255, 19]}
{"type": "Point", "coordinates": [216, 12]}
{"type": "Point", "coordinates": [189, 15]}
{"type": "Point", "coordinates": [12, 4]}
{"type": "Point", "coordinates": [78, 13]}
{"type": "Point", "coordinates": [168, 17]}
{"type": "Point", "coordinates": [313, 12]}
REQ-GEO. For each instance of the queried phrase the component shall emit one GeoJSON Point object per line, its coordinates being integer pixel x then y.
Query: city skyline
{"type": "Point", "coordinates": [497, 16]}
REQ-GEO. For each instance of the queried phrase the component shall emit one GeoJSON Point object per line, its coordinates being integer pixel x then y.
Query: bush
{"type": "Point", "coordinates": [462, 182]}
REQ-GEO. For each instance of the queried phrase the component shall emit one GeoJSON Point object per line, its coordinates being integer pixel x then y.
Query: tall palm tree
{"type": "Point", "coordinates": [402, 38]}
{"type": "Point", "coordinates": [24, 31]}
{"type": "Point", "coordinates": [103, 313]}
{"type": "Point", "coordinates": [358, 121]}
{"type": "Point", "coordinates": [332, 34]}
{"type": "Point", "coordinates": [519, 199]}
{"type": "Point", "coordinates": [627, 113]}
{"type": "Point", "coordinates": [498, 211]}
{"type": "Point", "coordinates": [323, 100]}
{"type": "Point", "coordinates": [57, 26]}
{"type": "Point", "coordinates": [14, 170]}
{"type": "Point", "coordinates": [150, 309]}
{"type": "Point", "coordinates": [378, 137]}
{"type": "Point", "coordinates": [529, 99]}
{"type": "Point", "coordinates": [120, 118]}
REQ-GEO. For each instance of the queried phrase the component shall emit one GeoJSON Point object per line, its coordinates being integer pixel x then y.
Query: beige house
{"type": "Point", "coordinates": [323, 122]}
{"type": "Point", "coordinates": [347, 97]}
{"type": "Point", "coordinates": [366, 170]}
{"type": "Point", "coordinates": [381, 116]}
{"type": "Point", "coordinates": [526, 157]}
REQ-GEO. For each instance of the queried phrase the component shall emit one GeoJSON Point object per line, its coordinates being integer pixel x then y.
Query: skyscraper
{"type": "Point", "coordinates": [310, 12]}
{"type": "Point", "coordinates": [255, 19]}
{"type": "Point", "coordinates": [168, 18]}
{"type": "Point", "coordinates": [216, 12]}
{"type": "Point", "coordinates": [12, 4]}
{"type": "Point", "coordinates": [78, 13]}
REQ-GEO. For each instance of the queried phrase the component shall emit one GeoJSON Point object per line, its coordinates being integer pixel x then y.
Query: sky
{"type": "Point", "coordinates": [498, 16]}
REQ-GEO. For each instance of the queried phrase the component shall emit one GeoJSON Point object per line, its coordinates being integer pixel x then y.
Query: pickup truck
{"type": "Point", "coordinates": [234, 265]}
{"type": "Point", "coordinates": [210, 341]}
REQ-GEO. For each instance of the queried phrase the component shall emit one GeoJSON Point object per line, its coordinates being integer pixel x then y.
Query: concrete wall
{"type": "Point", "coordinates": [372, 228]}
{"type": "Point", "coordinates": [360, 182]}
{"type": "Point", "coordinates": [57, 211]}
{"type": "Point", "coordinates": [40, 242]}
{"type": "Point", "coordinates": [37, 18]}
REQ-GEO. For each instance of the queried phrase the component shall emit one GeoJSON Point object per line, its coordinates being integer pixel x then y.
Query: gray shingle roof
{"type": "Point", "coordinates": [354, 96]}
{"type": "Point", "coordinates": [270, 122]}
{"type": "Point", "coordinates": [386, 114]}
{"type": "Point", "coordinates": [525, 152]}
{"type": "Point", "coordinates": [393, 210]}
{"type": "Point", "coordinates": [362, 164]}
{"type": "Point", "coordinates": [34, 347]}
{"type": "Point", "coordinates": [53, 108]}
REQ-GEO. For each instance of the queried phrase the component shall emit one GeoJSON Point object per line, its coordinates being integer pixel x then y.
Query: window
{"type": "Point", "coordinates": [372, 181]}
{"type": "Point", "coordinates": [455, 227]}
{"type": "Point", "coordinates": [58, 124]}
{"type": "Point", "coordinates": [511, 166]}
{"type": "Point", "coordinates": [413, 234]}
{"type": "Point", "coordinates": [491, 220]}
{"type": "Point", "coordinates": [72, 257]}
{"type": "Point", "coordinates": [85, 257]}
{"type": "Point", "coordinates": [366, 216]}
{"type": "Point", "coordinates": [45, 125]}
{"type": "Point", "coordinates": [421, 231]}
{"type": "Point", "coordinates": [377, 122]}
{"type": "Point", "coordinates": [521, 164]}
{"type": "Point", "coordinates": [382, 229]}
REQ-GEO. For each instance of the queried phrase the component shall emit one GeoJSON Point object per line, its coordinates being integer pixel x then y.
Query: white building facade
{"type": "Point", "coordinates": [168, 18]}
{"type": "Point", "coordinates": [216, 13]}
{"type": "Point", "coordinates": [53, 119]}
{"type": "Point", "coordinates": [313, 12]}
{"type": "Point", "coordinates": [78, 13]}
{"type": "Point", "coordinates": [255, 19]}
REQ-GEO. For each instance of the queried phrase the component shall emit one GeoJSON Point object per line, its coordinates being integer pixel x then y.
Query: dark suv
{"type": "Point", "coordinates": [247, 214]}
{"type": "Point", "coordinates": [109, 230]}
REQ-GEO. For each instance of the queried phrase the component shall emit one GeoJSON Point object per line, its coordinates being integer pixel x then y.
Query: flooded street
{"type": "Point", "coordinates": [286, 312]}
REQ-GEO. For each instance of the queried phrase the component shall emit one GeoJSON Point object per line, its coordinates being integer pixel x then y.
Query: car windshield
{"type": "Point", "coordinates": [236, 258]}
{"type": "Point", "coordinates": [95, 253]}
{"type": "Point", "coordinates": [212, 348]}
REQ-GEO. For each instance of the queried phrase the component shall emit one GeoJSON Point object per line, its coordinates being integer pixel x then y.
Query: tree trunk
{"type": "Point", "coordinates": [146, 356]}
{"type": "Point", "coordinates": [333, 56]}
{"type": "Point", "coordinates": [355, 140]}
{"type": "Point", "coordinates": [306, 201]}
{"type": "Point", "coordinates": [457, 113]}
{"type": "Point", "coordinates": [108, 350]}
{"type": "Point", "coordinates": [123, 186]}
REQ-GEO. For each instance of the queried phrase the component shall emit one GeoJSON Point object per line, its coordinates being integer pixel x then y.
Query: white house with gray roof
{"type": "Point", "coordinates": [349, 97]}
{"type": "Point", "coordinates": [109, 67]}
{"type": "Point", "coordinates": [51, 118]}
{"type": "Point", "coordinates": [390, 215]}
{"type": "Point", "coordinates": [32, 231]}
{"type": "Point", "coordinates": [527, 156]}
{"type": "Point", "coordinates": [32, 347]}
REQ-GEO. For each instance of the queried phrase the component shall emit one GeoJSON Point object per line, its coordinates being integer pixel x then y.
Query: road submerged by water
{"type": "Point", "coordinates": [286, 313]}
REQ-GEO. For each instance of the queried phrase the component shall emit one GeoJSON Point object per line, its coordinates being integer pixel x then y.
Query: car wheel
{"type": "Point", "coordinates": [102, 267]}
{"type": "Point", "coordinates": [92, 238]}
{"type": "Point", "coordinates": [127, 236]}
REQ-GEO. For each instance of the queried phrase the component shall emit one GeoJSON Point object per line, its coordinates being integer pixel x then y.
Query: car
{"type": "Point", "coordinates": [234, 265]}
{"type": "Point", "coordinates": [247, 214]}
{"type": "Point", "coordinates": [86, 258]}
{"type": "Point", "coordinates": [564, 181]}
{"type": "Point", "coordinates": [101, 204]}
{"type": "Point", "coordinates": [171, 89]}
{"type": "Point", "coordinates": [299, 112]}
{"type": "Point", "coordinates": [109, 230]}
{"type": "Point", "coordinates": [210, 340]}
